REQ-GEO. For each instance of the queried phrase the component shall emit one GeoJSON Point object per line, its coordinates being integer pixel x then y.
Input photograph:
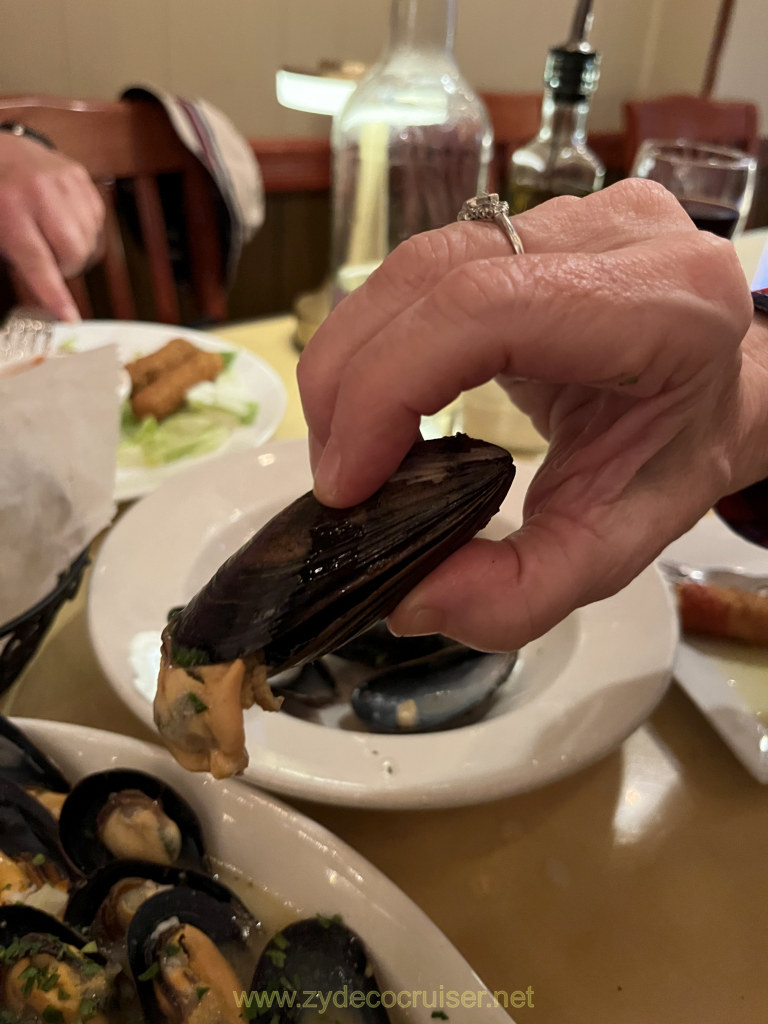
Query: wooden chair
{"type": "Point", "coordinates": [725, 123]}
{"type": "Point", "coordinates": [515, 117]}
{"type": "Point", "coordinates": [134, 141]}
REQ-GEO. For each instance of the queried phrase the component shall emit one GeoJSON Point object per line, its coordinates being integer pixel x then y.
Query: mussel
{"type": "Point", "coordinates": [121, 814]}
{"type": "Point", "coordinates": [104, 906]}
{"type": "Point", "coordinates": [317, 968]}
{"type": "Point", "coordinates": [189, 955]}
{"type": "Point", "coordinates": [48, 972]}
{"type": "Point", "coordinates": [33, 868]}
{"type": "Point", "coordinates": [23, 763]}
{"type": "Point", "coordinates": [311, 579]}
{"type": "Point", "coordinates": [449, 688]}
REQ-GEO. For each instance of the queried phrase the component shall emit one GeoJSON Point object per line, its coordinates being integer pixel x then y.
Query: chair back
{"type": "Point", "coordinates": [722, 122]}
{"type": "Point", "coordinates": [515, 117]}
{"type": "Point", "coordinates": [134, 141]}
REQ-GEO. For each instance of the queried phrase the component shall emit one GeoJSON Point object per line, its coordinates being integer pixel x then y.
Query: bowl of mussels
{"type": "Point", "coordinates": [134, 892]}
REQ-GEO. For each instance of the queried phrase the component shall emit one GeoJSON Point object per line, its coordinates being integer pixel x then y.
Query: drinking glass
{"type": "Point", "coordinates": [714, 184]}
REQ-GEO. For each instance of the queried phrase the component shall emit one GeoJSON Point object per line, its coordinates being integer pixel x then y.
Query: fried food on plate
{"type": "Point", "coordinates": [723, 612]}
{"type": "Point", "coordinates": [148, 368]}
{"type": "Point", "coordinates": [167, 392]}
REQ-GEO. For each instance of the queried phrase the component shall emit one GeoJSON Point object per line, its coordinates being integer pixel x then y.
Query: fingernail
{"type": "Point", "coordinates": [418, 622]}
{"type": "Point", "coordinates": [328, 472]}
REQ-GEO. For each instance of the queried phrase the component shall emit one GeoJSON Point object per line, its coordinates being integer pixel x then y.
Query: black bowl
{"type": "Point", "coordinates": [20, 638]}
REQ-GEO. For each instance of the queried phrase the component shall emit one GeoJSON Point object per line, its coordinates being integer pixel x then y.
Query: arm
{"type": "Point", "coordinates": [51, 216]}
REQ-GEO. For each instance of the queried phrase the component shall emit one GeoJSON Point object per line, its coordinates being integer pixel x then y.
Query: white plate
{"type": "Point", "coordinates": [572, 697]}
{"type": "Point", "coordinates": [728, 681]}
{"type": "Point", "coordinates": [293, 860]}
{"type": "Point", "coordinates": [134, 339]}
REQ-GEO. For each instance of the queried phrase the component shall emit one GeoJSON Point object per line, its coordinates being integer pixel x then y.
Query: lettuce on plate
{"type": "Point", "coordinates": [213, 410]}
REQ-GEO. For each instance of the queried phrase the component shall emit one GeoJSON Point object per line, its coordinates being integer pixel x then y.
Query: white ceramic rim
{"type": "Point", "coordinates": [609, 663]}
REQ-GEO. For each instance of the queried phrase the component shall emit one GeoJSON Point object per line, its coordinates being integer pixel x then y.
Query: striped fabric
{"type": "Point", "coordinates": [225, 154]}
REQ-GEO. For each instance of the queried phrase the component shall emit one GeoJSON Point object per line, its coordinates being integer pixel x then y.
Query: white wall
{"type": "Point", "coordinates": [743, 72]}
{"type": "Point", "coordinates": [229, 50]}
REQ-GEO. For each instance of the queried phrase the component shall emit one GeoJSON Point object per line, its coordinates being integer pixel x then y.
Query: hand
{"type": "Point", "coordinates": [51, 217]}
{"type": "Point", "coordinates": [618, 330]}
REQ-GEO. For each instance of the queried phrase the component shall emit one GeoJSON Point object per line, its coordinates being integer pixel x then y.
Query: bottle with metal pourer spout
{"type": "Point", "coordinates": [558, 162]}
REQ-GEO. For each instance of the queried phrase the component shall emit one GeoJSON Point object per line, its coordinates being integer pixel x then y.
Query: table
{"type": "Point", "coordinates": [634, 891]}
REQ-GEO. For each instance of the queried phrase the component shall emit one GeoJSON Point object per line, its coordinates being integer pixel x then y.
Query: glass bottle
{"type": "Point", "coordinates": [412, 142]}
{"type": "Point", "coordinates": [558, 161]}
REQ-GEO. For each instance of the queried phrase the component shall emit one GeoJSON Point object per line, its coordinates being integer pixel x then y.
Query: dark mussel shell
{"type": "Point", "coordinates": [312, 685]}
{"type": "Point", "coordinates": [148, 938]}
{"type": "Point", "coordinates": [16, 921]}
{"type": "Point", "coordinates": [79, 823]}
{"type": "Point", "coordinates": [86, 903]}
{"type": "Point", "coordinates": [450, 688]}
{"type": "Point", "coordinates": [377, 648]}
{"type": "Point", "coordinates": [323, 958]}
{"type": "Point", "coordinates": [28, 832]}
{"type": "Point", "coordinates": [23, 763]}
{"type": "Point", "coordinates": [314, 576]}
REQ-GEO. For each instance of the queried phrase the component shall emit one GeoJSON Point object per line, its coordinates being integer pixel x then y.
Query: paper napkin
{"type": "Point", "coordinates": [59, 427]}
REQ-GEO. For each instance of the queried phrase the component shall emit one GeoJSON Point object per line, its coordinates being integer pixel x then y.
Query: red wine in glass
{"type": "Point", "coordinates": [715, 217]}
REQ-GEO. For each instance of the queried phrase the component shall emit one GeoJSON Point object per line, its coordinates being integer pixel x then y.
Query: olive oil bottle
{"type": "Point", "coordinates": [558, 161]}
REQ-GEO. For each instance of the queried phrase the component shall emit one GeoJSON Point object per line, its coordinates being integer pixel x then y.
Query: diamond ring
{"type": "Point", "coordinates": [490, 207]}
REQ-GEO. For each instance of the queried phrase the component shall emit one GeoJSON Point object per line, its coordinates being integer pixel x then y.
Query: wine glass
{"type": "Point", "coordinates": [714, 184]}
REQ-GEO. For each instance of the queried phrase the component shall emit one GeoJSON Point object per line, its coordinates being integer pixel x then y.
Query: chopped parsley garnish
{"type": "Point", "coordinates": [202, 990]}
{"type": "Point", "coordinates": [38, 860]}
{"type": "Point", "coordinates": [439, 1015]}
{"type": "Point", "coordinates": [277, 956]}
{"type": "Point", "coordinates": [150, 972]}
{"type": "Point", "coordinates": [326, 922]}
{"type": "Point", "coordinates": [198, 706]}
{"type": "Point", "coordinates": [89, 947]}
{"type": "Point", "coordinates": [280, 941]}
{"type": "Point", "coordinates": [87, 1009]}
{"type": "Point", "coordinates": [188, 657]}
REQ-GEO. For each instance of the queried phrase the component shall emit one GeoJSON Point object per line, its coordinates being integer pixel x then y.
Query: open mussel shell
{"type": "Point", "coordinates": [188, 953]}
{"type": "Point", "coordinates": [324, 958]}
{"type": "Point", "coordinates": [103, 906]}
{"type": "Point", "coordinates": [377, 648]}
{"type": "Point", "coordinates": [33, 867]}
{"type": "Point", "coordinates": [23, 763]}
{"type": "Point", "coordinates": [124, 814]}
{"type": "Point", "coordinates": [314, 576]}
{"type": "Point", "coordinates": [451, 688]}
{"type": "Point", "coordinates": [16, 921]}
{"type": "Point", "coordinates": [312, 685]}
{"type": "Point", "coordinates": [48, 972]}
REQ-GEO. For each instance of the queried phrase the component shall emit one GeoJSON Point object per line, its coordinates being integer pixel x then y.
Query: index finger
{"type": "Point", "coordinates": [626, 213]}
{"type": "Point", "coordinates": [34, 262]}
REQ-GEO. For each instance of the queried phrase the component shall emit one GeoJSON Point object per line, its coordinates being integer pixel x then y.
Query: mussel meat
{"type": "Point", "coordinates": [47, 972]}
{"type": "Point", "coordinates": [126, 814]}
{"type": "Point", "coordinates": [189, 956]}
{"type": "Point", "coordinates": [311, 579]}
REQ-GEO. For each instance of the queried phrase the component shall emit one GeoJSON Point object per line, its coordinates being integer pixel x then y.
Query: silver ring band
{"type": "Point", "coordinates": [490, 207]}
